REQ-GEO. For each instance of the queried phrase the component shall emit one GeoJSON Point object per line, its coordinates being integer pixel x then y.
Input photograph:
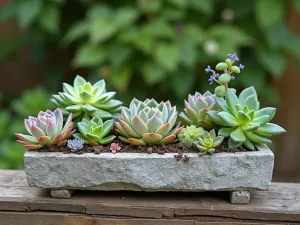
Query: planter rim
{"type": "Point", "coordinates": [263, 150]}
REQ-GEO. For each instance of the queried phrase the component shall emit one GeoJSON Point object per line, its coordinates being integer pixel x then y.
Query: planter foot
{"type": "Point", "coordinates": [61, 193]}
{"type": "Point", "coordinates": [239, 197]}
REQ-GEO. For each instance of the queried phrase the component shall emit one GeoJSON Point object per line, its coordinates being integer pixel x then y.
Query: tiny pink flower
{"type": "Point", "coordinates": [115, 148]}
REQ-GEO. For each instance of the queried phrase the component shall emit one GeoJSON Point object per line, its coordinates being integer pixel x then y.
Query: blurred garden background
{"type": "Point", "coordinates": [148, 48]}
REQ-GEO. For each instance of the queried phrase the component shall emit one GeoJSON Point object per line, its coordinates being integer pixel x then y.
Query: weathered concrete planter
{"type": "Point", "coordinates": [234, 172]}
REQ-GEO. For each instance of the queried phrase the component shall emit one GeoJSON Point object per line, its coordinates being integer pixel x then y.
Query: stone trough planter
{"type": "Point", "coordinates": [234, 172]}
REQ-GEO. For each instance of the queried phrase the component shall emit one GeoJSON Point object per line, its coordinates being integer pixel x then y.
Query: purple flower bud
{"type": "Point", "coordinates": [213, 77]}
{"type": "Point", "coordinates": [232, 77]}
{"type": "Point", "coordinates": [208, 69]}
{"type": "Point", "coordinates": [233, 57]}
{"type": "Point", "coordinates": [241, 66]}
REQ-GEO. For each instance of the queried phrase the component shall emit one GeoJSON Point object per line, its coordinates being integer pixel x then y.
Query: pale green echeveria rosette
{"type": "Point", "coordinates": [95, 131]}
{"type": "Point", "coordinates": [46, 129]}
{"type": "Point", "coordinates": [85, 100]}
{"type": "Point", "coordinates": [242, 120]}
{"type": "Point", "coordinates": [148, 123]}
{"type": "Point", "coordinates": [208, 142]}
{"type": "Point", "coordinates": [196, 108]}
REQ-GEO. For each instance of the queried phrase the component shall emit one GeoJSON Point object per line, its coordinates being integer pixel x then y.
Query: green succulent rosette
{"type": "Point", "coordinates": [242, 121]}
{"type": "Point", "coordinates": [85, 100]}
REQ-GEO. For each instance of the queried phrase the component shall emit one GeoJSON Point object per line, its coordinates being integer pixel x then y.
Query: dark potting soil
{"type": "Point", "coordinates": [159, 149]}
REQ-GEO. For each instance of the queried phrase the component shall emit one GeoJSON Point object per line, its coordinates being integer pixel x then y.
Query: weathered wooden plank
{"type": "Point", "coordinates": [280, 203]}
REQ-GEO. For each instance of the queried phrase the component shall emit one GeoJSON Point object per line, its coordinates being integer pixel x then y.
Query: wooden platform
{"type": "Point", "coordinates": [22, 205]}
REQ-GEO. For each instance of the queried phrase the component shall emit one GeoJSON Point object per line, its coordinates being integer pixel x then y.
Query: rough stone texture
{"type": "Point", "coordinates": [61, 193]}
{"type": "Point", "coordinates": [150, 172]}
{"type": "Point", "coordinates": [239, 197]}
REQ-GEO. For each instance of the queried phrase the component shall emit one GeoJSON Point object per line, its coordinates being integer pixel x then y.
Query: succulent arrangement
{"type": "Point", "coordinates": [85, 100]}
{"type": "Point", "coordinates": [208, 142]}
{"type": "Point", "coordinates": [240, 118]}
{"type": "Point", "coordinates": [237, 119]}
{"type": "Point", "coordinates": [46, 129]}
{"type": "Point", "coordinates": [148, 123]}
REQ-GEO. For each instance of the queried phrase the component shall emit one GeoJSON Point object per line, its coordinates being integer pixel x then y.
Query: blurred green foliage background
{"type": "Point", "coordinates": [143, 48]}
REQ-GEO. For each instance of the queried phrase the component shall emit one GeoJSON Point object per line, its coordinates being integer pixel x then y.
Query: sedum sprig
{"type": "Point", "coordinates": [229, 72]}
{"type": "Point", "coordinates": [188, 135]}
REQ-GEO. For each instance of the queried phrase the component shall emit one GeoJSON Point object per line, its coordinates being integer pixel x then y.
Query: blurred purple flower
{"type": "Point", "coordinates": [232, 77]}
{"type": "Point", "coordinates": [208, 69]}
{"type": "Point", "coordinates": [241, 66]}
{"type": "Point", "coordinates": [233, 57]}
{"type": "Point", "coordinates": [213, 77]}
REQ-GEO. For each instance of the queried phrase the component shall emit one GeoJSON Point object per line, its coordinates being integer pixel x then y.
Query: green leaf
{"type": "Point", "coordinates": [226, 32]}
{"type": "Point", "coordinates": [168, 56]}
{"type": "Point", "coordinates": [252, 103]}
{"type": "Point", "coordinates": [274, 62]}
{"type": "Point", "coordinates": [194, 34]}
{"type": "Point", "coordinates": [238, 135]}
{"type": "Point", "coordinates": [119, 53]}
{"type": "Point", "coordinates": [271, 129]}
{"type": "Point", "coordinates": [225, 132]}
{"type": "Point", "coordinates": [231, 100]}
{"type": "Point", "coordinates": [153, 73]}
{"type": "Point", "coordinates": [256, 138]}
{"type": "Point", "coordinates": [182, 81]}
{"type": "Point", "coordinates": [265, 16]}
{"type": "Point", "coordinates": [232, 144]}
{"type": "Point", "coordinates": [243, 117]}
{"type": "Point", "coordinates": [222, 104]}
{"type": "Point", "coordinates": [178, 3]}
{"type": "Point", "coordinates": [245, 94]}
{"type": "Point", "coordinates": [76, 31]}
{"type": "Point", "coordinates": [188, 54]}
{"type": "Point", "coordinates": [205, 7]}
{"type": "Point", "coordinates": [126, 16]}
{"type": "Point", "coordinates": [150, 6]}
{"type": "Point", "coordinates": [28, 11]}
{"type": "Point", "coordinates": [107, 140]}
{"type": "Point", "coordinates": [144, 42]}
{"type": "Point", "coordinates": [296, 5]}
{"type": "Point", "coordinates": [228, 119]}
{"type": "Point", "coordinates": [49, 18]}
{"type": "Point", "coordinates": [101, 29]}
{"type": "Point", "coordinates": [120, 78]}
{"type": "Point", "coordinates": [214, 116]}
{"type": "Point", "coordinates": [250, 127]}
{"type": "Point", "coordinates": [270, 111]}
{"type": "Point", "coordinates": [248, 144]}
{"type": "Point", "coordinates": [90, 55]}
{"type": "Point", "coordinates": [262, 120]}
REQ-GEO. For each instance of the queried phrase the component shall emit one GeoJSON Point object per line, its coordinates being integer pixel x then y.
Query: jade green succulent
{"type": "Point", "coordinates": [196, 108]}
{"type": "Point", "coordinates": [46, 129]}
{"type": "Point", "coordinates": [208, 142]}
{"type": "Point", "coordinates": [95, 131]}
{"type": "Point", "coordinates": [148, 122]}
{"type": "Point", "coordinates": [85, 100]}
{"type": "Point", "coordinates": [242, 120]}
{"type": "Point", "coordinates": [188, 135]}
